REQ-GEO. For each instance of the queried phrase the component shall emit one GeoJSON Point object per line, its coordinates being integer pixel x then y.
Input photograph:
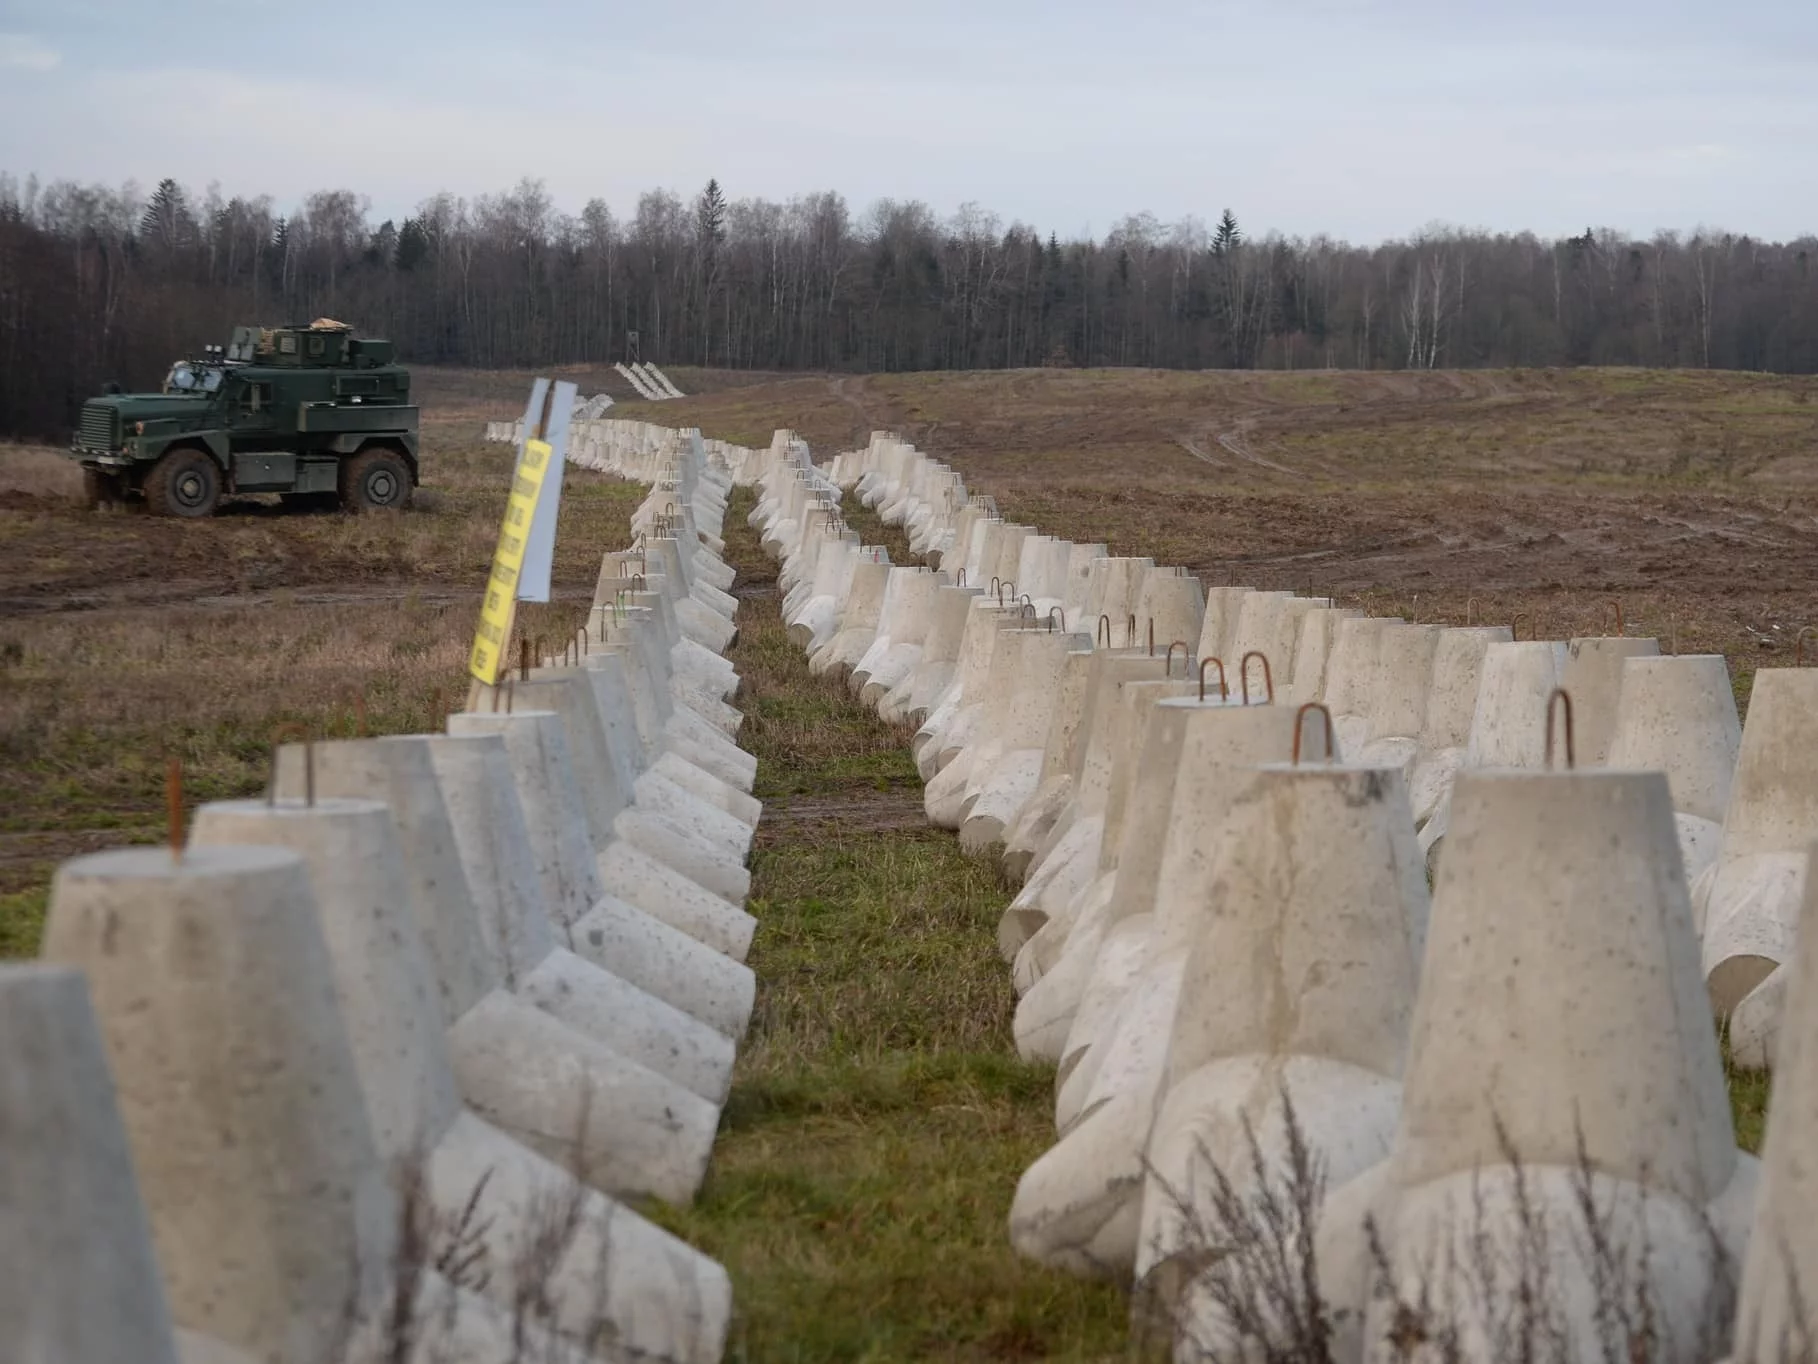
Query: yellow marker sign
{"type": "Point", "coordinates": [489, 641]}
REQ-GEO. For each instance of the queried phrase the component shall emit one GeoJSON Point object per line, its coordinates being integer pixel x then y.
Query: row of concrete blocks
{"type": "Point", "coordinates": [649, 382]}
{"type": "Point", "coordinates": [1221, 923]}
{"type": "Point", "coordinates": [368, 1069]}
{"type": "Point", "coordinates": [639, 451]}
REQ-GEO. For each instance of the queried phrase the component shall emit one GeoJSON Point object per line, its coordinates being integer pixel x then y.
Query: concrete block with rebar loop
{"type": "Point", "coordinates": [1565, 1132]}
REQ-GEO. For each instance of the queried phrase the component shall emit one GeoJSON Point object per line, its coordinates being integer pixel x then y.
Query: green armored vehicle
{"type": "Point", "coordinates": [313, 412]}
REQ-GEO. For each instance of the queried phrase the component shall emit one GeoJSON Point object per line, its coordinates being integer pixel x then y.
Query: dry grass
{"type": "Point", "coordinates": [125, 639]}
{"type": "Point", "coordinates": [879, 1119]}
{"type": "Point", "coordinates": [37, 471]}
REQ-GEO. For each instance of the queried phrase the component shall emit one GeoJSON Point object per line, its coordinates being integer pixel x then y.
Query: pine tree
{"type": "Point", "coordinates": [710, 217]}
{"type": "Point", "coordinates": [1226, 237]}
{"type": "Point", "coordinates": [166, 220]}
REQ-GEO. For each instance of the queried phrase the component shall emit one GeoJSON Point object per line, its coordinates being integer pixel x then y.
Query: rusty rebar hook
{"type": "Point", "coordinates": [1300, 718]}
{"type": "Point", "coordinates": [1186, 654]}
{"type": "Point", "coordinates": [1054, 611]}
{"type": "Point", "coordinates": [294, 730]}
{"type": "Point", "coordinates": [1516, 621]}
{"type": "Point", "coordinates": [1561, 699]}
{"type": "Point", "coordinates": [1027, 600]}
{"type": "Point", "coordinates": [1026, 611]}
{"type": "Point", "coordinates": [959, 577]}
{"type": "Point", "coordinates": [1470, 610]}
{"type": "Point", "coordinates": [1243, 676]}
{"type": "Point", "coordinates": [1104, 631]}
{"type": "Point", "coordinates": [1615, 609]}
{"type": "Point", "coordinates": [586, 642]}
{"type": "Point", "coordinates": [1151, 636]}
{"type": "Point", "coordinates": [173, 806]}
{"type": "Point", "coordinates": [1130, 632]}
{"type": "Point", "coordinates": [1224, 692]}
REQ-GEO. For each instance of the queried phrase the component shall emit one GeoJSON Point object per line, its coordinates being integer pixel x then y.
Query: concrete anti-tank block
{"type": "Point", "coordinates": [271, 1214]}
{"type": "Point", "coordinates": [1320, 880]}
{"type": "Point", "coordinates": [475, 777]}
{"type": "Point", "coordinates": [1163, 874]}
{"type": "Point", "coordinates": [1774, 1321]}
{"type": "Point", "coordinates": [1678, 715]}
{"type": "Point", "coordinates": [621, 1126]}
{"type": "Point", "coordinates": [1551, 1027]}
{"type": "Point", "coordinates": [79, 1281]}
{"type": "Point", "coordinates": [537, 747]}
{"type": "Point", "coordinates": [1592, 676]}
{"type": "Point", "coordinates": [1749, 904]}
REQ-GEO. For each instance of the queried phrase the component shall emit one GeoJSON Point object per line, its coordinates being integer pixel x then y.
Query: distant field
{"type": "Point", "coordinates": [1538, 496]}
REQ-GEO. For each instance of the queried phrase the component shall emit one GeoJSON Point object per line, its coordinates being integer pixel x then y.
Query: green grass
{"type": "Point", "coordinates": [879, 1120]}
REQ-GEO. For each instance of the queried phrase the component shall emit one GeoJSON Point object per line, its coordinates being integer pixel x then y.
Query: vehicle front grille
{"type": "Point", "coordinates": [100, 428]}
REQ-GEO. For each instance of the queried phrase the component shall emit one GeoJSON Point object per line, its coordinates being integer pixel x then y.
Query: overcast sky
{"type": "Point", "coordinates": [1363, 119]}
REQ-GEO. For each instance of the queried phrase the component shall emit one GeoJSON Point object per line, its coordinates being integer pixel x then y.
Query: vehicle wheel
{"type": "Point", "coordinates": [184, 483]}
{"type": "Point", "coordinates": [375, 480]}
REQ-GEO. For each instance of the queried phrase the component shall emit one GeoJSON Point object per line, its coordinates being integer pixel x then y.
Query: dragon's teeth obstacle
{"type": "Point", "coordinates": [436, 999]}
{"type": "Point", "coordinates": [1209, 938]}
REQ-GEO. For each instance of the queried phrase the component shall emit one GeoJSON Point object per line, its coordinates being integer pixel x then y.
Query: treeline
{"type": "Point", "coordinates": [99, 283]}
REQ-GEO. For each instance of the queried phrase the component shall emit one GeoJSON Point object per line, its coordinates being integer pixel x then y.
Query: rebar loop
{"type": "Point", "coordinates": [1104, 632]}
{"type": "Point", "coordinates": [1562, 701]}
{"type": "Point", "coordinates": [1300, 718]}
{"type": "Point", "coordinates": [1224, 692]}
{"type": "Point", "coordinates": [1243, 676]}
{"type": "Point", "coordinates": [1186, 656]}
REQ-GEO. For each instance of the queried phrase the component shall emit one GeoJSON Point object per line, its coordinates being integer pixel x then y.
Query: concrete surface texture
{"type": "Point", "coordinates": [1606, 1069]}
{"type": "Point", "coordinates": [1321, 885]}
{"type": "Point", "coordinates": [1677, 714]}
{"type": "Point", "coordinates": [1774, 1319]}
{"type": "Point", "coordinates": [1748, 903]}
{"type": "Point", "coordinates": [80, 1282]}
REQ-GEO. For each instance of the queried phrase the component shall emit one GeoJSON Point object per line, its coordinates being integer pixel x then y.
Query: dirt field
{"type": "Point", "coordinates": [1688, 497]}
{"type": "Point", "coordinates": [1533, 496]}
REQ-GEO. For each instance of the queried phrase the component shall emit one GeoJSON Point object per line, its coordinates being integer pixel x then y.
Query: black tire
{"type": "Point", "coordinates": [184, 483]}
{"type": "Point", "coordinates": [375, 480]}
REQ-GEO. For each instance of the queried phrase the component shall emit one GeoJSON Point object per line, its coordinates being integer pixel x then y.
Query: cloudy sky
{"type": "Point", "coordinates": [1359, 118]}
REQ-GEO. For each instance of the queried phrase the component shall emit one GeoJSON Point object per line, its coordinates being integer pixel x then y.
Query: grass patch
{"type": "Point", "coordinates": [879, 1120]}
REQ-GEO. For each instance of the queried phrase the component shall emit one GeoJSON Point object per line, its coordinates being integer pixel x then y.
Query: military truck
{"type": "Point", "coordinates": [312, 412]}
